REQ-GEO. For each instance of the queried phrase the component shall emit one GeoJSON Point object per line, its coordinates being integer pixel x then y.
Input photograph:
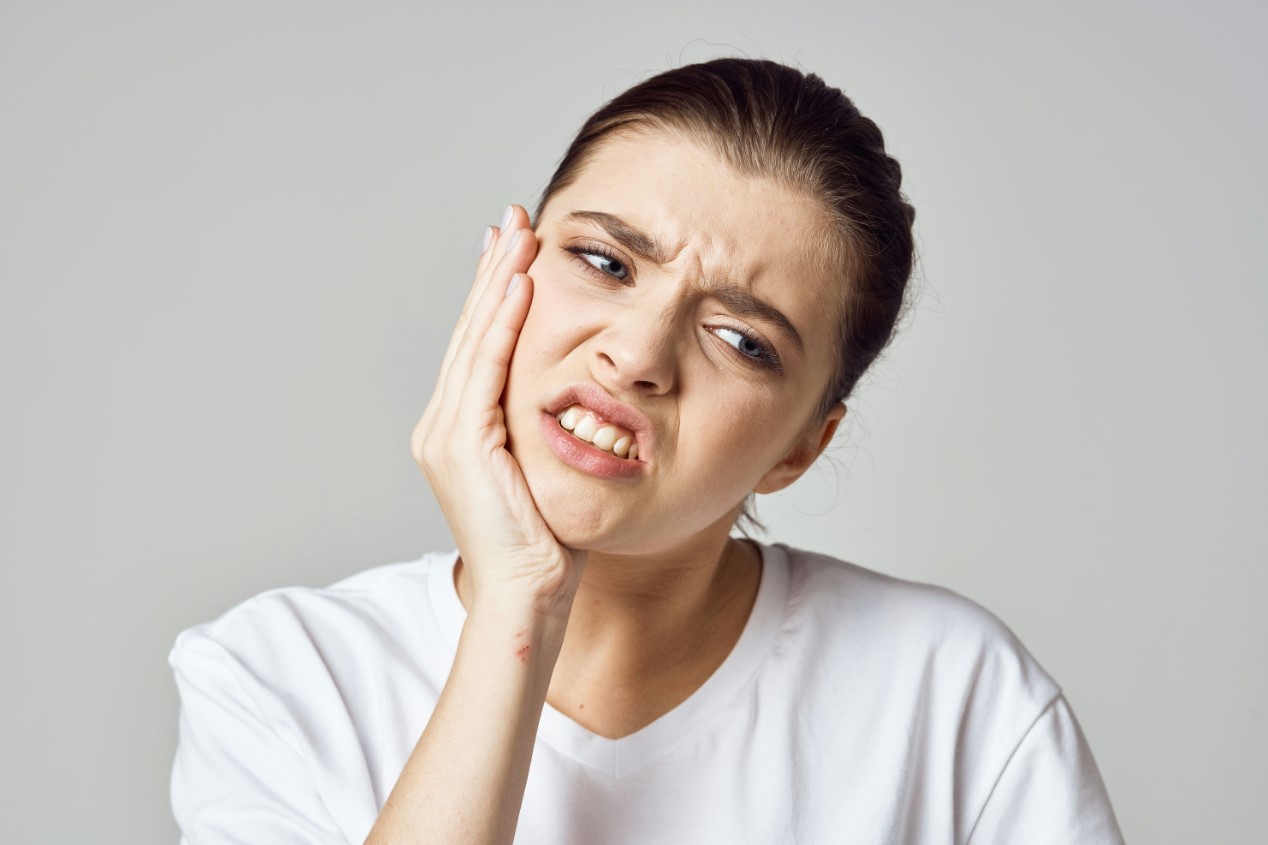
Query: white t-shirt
{"type": "Point", "coordinates": [855, 708]}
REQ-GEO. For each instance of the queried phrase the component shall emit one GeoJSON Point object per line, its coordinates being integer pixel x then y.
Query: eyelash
{"type": "Point", "coordinates": [769, 357]}
{"type": "Point", "coordinates": [601, 251]}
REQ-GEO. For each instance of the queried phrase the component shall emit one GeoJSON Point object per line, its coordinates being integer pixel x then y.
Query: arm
{"type": "Point", "coordinates": [240, 774]}
{"type": "Point", "coordinates": [465, 780]}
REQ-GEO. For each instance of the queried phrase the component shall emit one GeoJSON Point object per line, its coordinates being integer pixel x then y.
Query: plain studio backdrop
{"type": "Point", "coordinates": [234, 238]}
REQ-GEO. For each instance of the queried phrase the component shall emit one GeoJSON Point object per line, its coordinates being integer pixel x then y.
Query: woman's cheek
{"type": "Point", "coordinates": [561, 314]}
{"type": "Point", "coordinates": [545, 339]}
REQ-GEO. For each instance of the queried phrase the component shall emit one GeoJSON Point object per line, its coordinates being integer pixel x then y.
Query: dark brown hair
{"type": "Point", "coordinates": [769, 120]}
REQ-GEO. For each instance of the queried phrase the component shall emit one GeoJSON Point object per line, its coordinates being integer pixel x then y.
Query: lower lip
{"type": "Point", "coordinates": [581, 455]}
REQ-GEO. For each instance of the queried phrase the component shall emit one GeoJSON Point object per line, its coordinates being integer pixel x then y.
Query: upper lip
{"type": "Point", "coordinates": [597, 399]}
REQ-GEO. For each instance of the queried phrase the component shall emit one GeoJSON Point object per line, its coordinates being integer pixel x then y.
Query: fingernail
{"type": "Point", "coordinates": [506, 218]}
{"type": "Point", "coordinates": [515, 280]}
{"type": "Point", "coordinates": [514, 240]}
{"type": "Point", "coordinates": [488, 236]}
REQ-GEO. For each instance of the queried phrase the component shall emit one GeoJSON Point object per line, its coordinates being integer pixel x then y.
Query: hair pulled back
{"type": "Point", "coordinates": [768, 120]}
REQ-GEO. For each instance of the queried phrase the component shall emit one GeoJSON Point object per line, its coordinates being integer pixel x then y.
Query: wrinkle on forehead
{"type": "Point", "coordinates": [808, 241]}
{"type": "Point", "coordinates": [824, 243]}
{"type": "Point", "coordinates": [809, 256]}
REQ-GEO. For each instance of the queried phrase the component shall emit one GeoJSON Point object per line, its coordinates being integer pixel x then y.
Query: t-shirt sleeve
{"type": "Point", "coordinates": [238, 777]}
{"type": "Point", "coordinates": [1050, 791]}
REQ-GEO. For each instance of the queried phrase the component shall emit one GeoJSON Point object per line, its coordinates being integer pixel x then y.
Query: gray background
{"type": "Point", "coordinates": [234, 237]}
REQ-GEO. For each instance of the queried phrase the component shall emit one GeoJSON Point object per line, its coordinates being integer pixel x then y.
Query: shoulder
{"type": "Point", "coordinates": [925, 632]}
{"type": "Point", "coordinates": [867, 597]}
{"type": "Point", "coordinates": [925, 673]}
{"type": "Point", "coordinates": [278, 631]}
{"type": "Point", "coordinates": [289, 689]}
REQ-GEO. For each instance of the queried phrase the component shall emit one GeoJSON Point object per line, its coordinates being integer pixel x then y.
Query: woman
{"type": "Point", "coordinates": [721, 254]}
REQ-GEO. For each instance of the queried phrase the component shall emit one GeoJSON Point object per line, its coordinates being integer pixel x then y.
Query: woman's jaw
{"type": "Point", "coordinates": [602, 503]}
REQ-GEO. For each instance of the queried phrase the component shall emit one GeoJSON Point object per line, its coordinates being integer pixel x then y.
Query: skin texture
{"type": "Point", "coordinates": [665, 594]}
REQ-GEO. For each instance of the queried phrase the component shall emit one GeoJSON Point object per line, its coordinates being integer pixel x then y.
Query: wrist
{"type": "Point", "coordinates": [547, 594]}
{"type": "Point", "coordinates": [538, 621]}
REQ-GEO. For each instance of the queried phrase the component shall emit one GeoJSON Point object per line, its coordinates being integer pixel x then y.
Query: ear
{"type": "Point", "coordinates": [804, 453]}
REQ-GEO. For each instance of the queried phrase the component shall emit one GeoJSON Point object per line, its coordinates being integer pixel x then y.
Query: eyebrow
{"type": "Point", "coordinates": [634, 240]}
{"type": "Point", "coordinates": [734, 297]}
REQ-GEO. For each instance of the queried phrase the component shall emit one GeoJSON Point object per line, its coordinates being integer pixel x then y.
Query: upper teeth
{"type": "Point", "coordinates": [606, 436]}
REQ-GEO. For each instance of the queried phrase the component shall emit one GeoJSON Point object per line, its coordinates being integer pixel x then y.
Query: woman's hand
{"type": "Point", "coordinates": [460, 442]}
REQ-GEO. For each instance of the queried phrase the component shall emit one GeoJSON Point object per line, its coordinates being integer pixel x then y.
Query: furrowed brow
{"type": "Point", "coordinates": [745, 304]}
{"type": "Point", "coordinates": [735, 298]}
{"type": "Point", "coordinates": [636, 241]}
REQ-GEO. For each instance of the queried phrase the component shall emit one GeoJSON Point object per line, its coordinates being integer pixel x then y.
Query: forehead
{"type": "Point", "coordinates": [723, 225]}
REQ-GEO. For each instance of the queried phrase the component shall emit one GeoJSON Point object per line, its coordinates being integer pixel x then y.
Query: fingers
{"type": "Point", "coordinates": [517, 258]}
{"type": "Point", "coordinates": [504, 256]}
{"type": "Point", "coordinates": [513, 219]}
{"type": "Point", "coordinates": [483, 390]}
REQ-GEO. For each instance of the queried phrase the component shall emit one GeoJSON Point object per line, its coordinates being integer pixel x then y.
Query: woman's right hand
{"type": "Point", "coordinates": [460, 442]}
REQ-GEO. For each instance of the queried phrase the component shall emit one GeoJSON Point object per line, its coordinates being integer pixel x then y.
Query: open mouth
{"type": "Point", "coordinates": [607, 437]}
{"type": "Point", "coordinates": [593, 431]}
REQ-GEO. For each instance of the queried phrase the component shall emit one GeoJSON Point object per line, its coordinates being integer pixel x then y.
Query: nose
{"type": "Point", "coordinates": [636, 352]}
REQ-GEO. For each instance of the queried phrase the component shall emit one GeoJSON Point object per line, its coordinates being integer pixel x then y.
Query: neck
{"type": "Point", "coordinates": [642, 620]}
{"type": "Point", "coordinates": [637, 616]}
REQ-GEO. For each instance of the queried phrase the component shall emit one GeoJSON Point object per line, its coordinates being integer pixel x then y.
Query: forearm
{"type": "Point", "coordinates": [464, 781]}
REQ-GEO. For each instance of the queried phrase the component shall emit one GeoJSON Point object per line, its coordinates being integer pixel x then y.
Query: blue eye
{"type": "Point", "coordinates": [750, 347]}
{"type": "Point", "coordinates": [603, 262]}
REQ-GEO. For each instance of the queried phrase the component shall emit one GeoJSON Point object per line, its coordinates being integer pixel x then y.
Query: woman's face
{"type": "Point", "coordinates": [648, 270]}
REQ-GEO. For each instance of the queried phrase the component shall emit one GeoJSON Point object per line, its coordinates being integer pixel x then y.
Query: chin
{"type": "Point", "coordinates": [576, 510]}
{"type": "Point", "coordinates": [582, 512]}
{"type": "Point", "coordinates": [577, 520]}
